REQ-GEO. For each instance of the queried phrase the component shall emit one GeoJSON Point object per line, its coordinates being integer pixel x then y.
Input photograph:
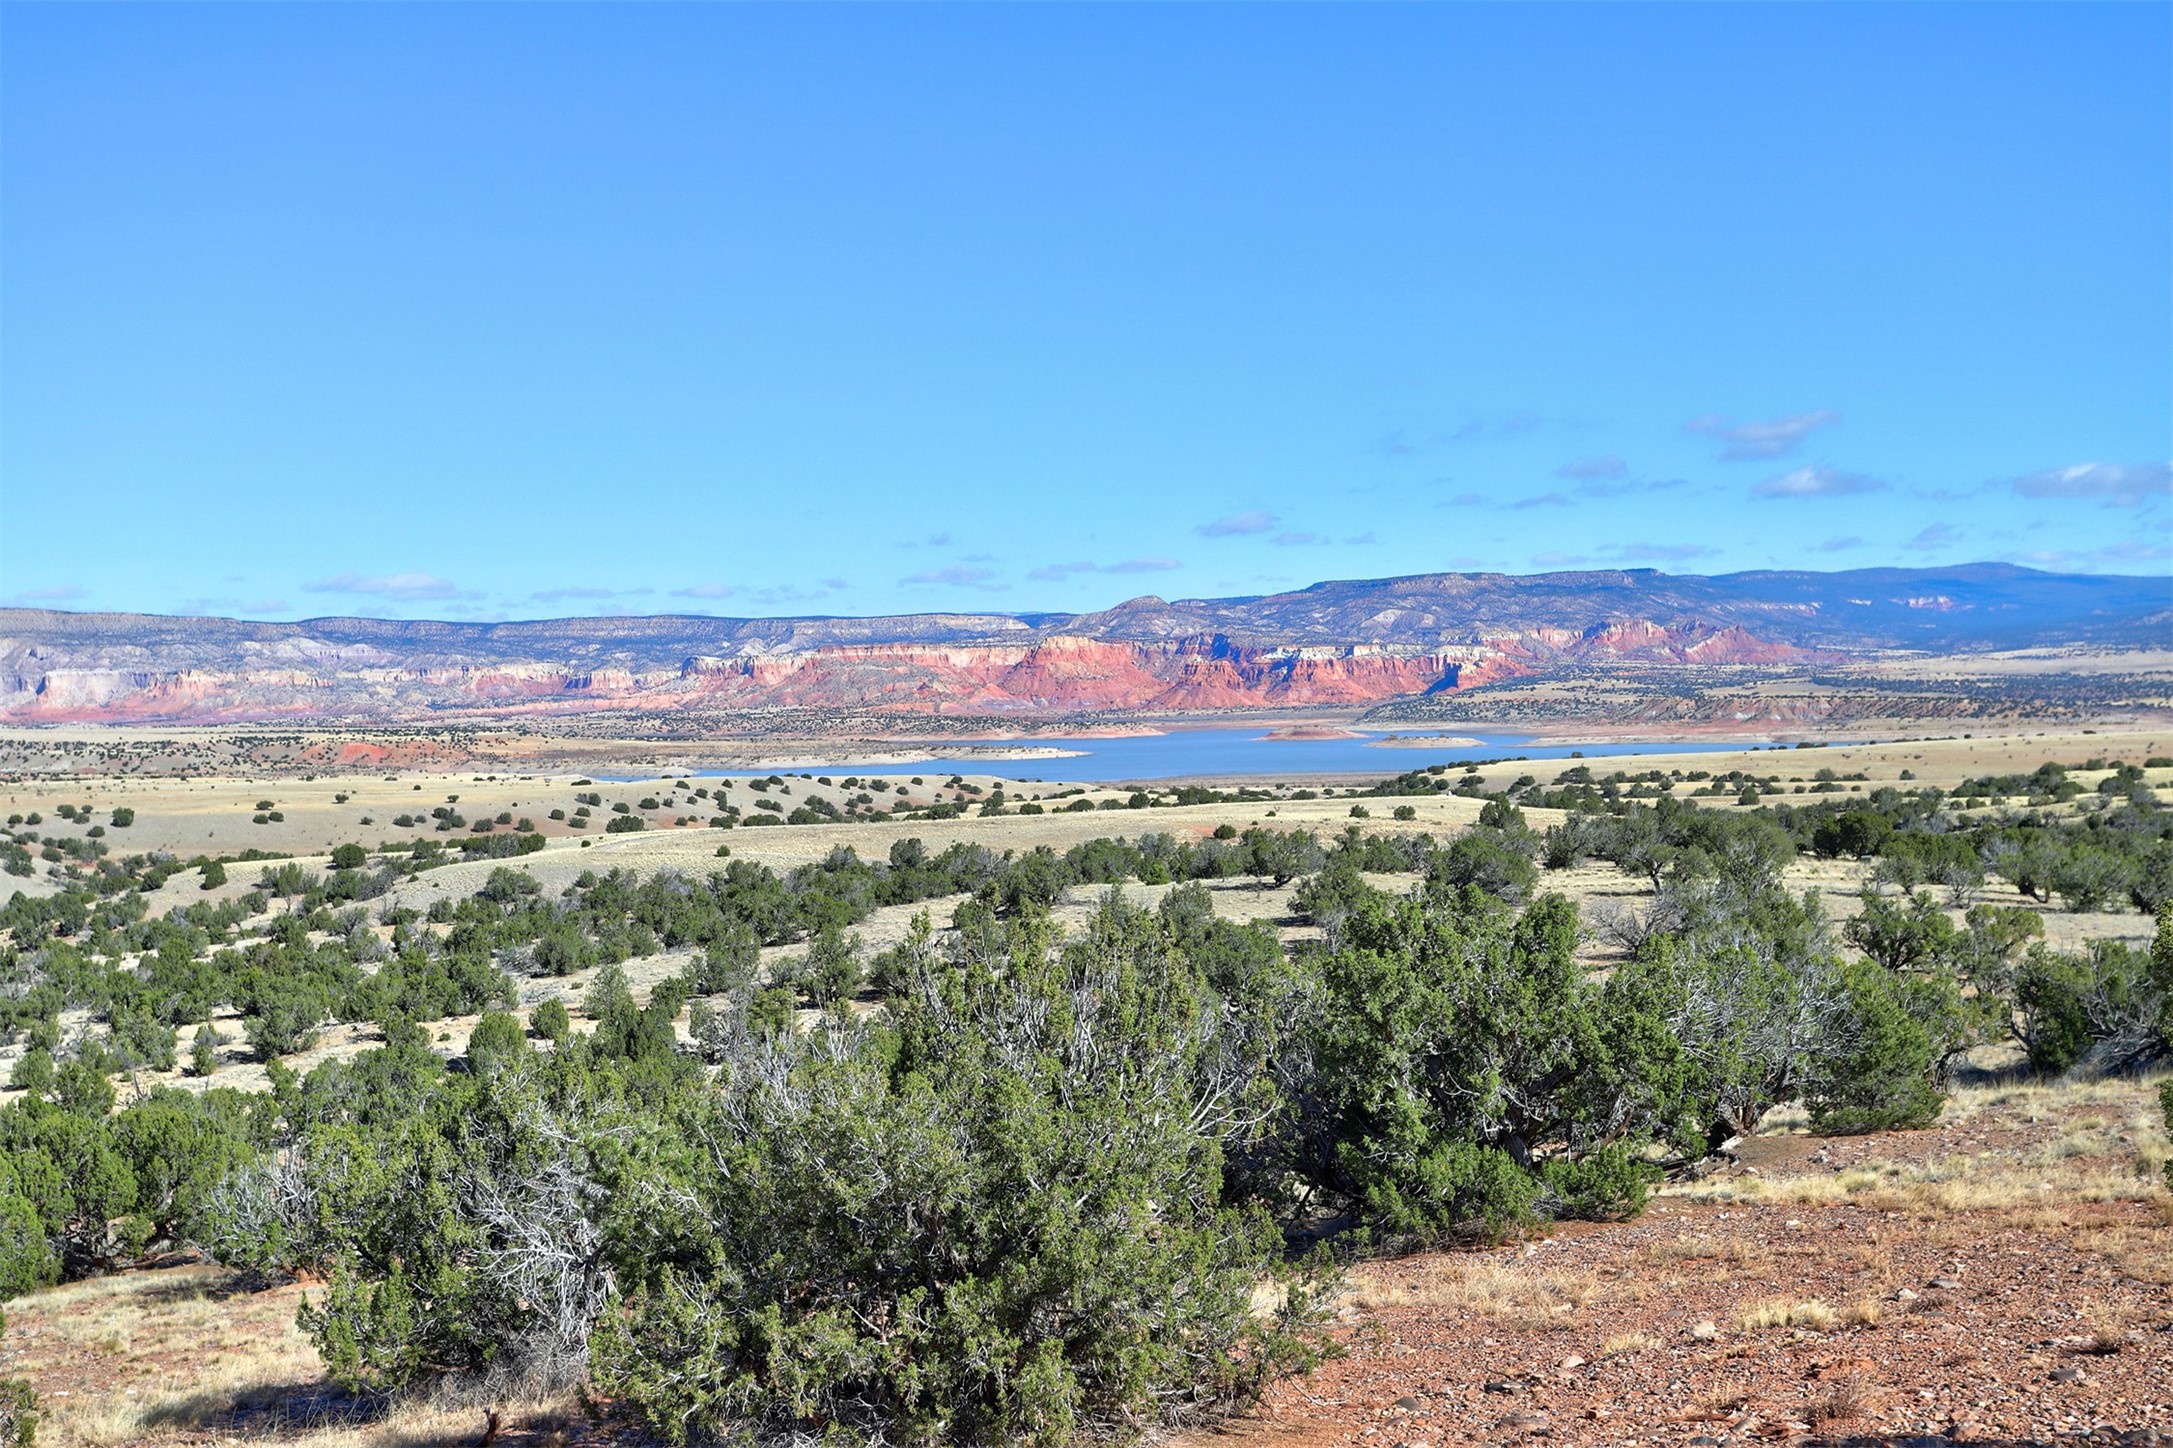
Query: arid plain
{"type": "Point", "coordinates": [2000, 1276]}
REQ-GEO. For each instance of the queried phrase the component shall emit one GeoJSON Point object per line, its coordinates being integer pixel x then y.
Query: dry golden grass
{"type": "Point", "coordinates": [1741, 1257]}
{"type": "Point", "coordinates": [1841, 1401]}
{"type": "Point", "coordinates": [1779, 1312]}
{"type": "Point", "coordinates": [1989, 1181]}
{"type": "Point", "coordinates": [1864, 1312]}
{"type": "Point", "coordinates": [1698, 1246]}
{"type": "Point", "coordinates": [2030, 1102]}
{"type": "Point", "coordinates": [1628, 1342]}
{"type": "Point", "coordinates": [2144, 1253]}
{"type": "Point", "coordinates": [1515, 1294]}
{"type": "Point", "coordinates": [174, 1355]}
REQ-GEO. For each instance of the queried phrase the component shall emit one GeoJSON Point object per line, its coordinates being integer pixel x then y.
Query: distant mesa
{"type": "Point", "coordinates": [1333, 645]}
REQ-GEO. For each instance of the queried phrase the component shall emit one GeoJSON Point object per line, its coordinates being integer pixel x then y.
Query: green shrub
{"type": "Point", "coordinates": [1488, 861]}
{"type": "Point", "coordinates": [1875, 1071]}
{"type": "Point", "coordinates": [1449, 1055]}
{"type": "Point", "coordinates": [551, 1021]}
{"type": "Point", "coordinates": [2165, 1105]}
{"type": "Point", "coordinates": [1030, 1247]}
{"type": "Point", "coordinates": [27, 1258]}
{"type": "Point", "coordinates": [2104, 1003]}
{"type": "Point", "coordinates": [497, 1038]}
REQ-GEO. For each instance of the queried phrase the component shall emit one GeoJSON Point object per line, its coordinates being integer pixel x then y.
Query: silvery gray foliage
{"type": "Point", "coordinates": [543, 1246]}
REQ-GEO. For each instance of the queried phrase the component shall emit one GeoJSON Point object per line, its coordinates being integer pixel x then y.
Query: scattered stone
{"type": "Point", "coordinates": [1504, 1385]}
{"type": "Point", "coordinates": [1905, 1295]}
{"type": "Point", "coordinates": [1409, 1405]}
{"type": "Point", "coordinates": [1706, 1331]}
{"type": "Point", "coordinates": [1572, 1361]}
{"type": "Point", "coordinates": [1969, 1432]}
{"type": "Point", "coordinates": [2067, 1375]}
{"type": "Point", "coordinates": [1945, 1284]}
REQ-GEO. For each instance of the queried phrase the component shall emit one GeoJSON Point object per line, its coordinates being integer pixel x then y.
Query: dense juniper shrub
{"type": "Point", "coordinates": [1877, 1070]}
{"type": "Point", "coordinates": [1450, 1052]}
{"type": "Point", "coordinates": [985, 1220]}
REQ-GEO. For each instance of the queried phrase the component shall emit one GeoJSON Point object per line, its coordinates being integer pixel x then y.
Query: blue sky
{"type": "Point", "coordinates": [512, 312]}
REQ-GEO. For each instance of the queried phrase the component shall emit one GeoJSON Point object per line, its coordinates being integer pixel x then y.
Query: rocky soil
{"type": "Point", "coordinates": [2002, 1277]}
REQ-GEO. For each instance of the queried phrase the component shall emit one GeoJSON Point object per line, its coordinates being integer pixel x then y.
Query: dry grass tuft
{"type": "Point", "coordinates": [1628, 1342]}
{"type": "Point", "coordinates": [2105, 1339]}
{"type": "Point", "coordinates": [1934, 1189]}
{"type": "Point", "coordinates": [1732, 1252]}
{"type": "Point", "coordinates": [1779, 1312]}
{"type": "Point", "coordinates": [1864, 1312]}
{"type": "Point", "coordinates": [1513, 1294]}
{"type": "Point", "coordinates": [1843, 1401]}
{"type": "Point", "coordinates": [2143, 1253]}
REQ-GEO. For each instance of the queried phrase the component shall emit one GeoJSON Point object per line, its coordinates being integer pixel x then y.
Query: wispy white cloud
{"type": "Point", "coordinates": [1838, 545]}
{"type": "Point", "coordinates": [1362, 540]}
{"type": "Point", "coordinates": [1772, 438]}
{"type": "Point", "coordinates": [957, 575]}
{"type": "Point", "coordinates": [1589, 469]}
{"type": "Point", "coordinates": [1259, 520]}
{"type": "Point", "coordinates": [2120, 485]}
{"type": "Point", "coordinates": [406, 587]}
{"type": "Point", "coordinates": [560, 595]}
{"type": "Point", "coordinates": [1057, 572]}
{"type": "Point", "coordinates": [1557, 560]}
{"type": "Point", "coordinates": [707, 590]}
{"type": "Point", "coordinates": [1818, 483]}
{"type": "Point", "coordinates": [1661, 552]}
{"type": "Point", "coordinates": [1298, 540]}
{"type": "Point", "coordinates": [1937, 535]}
{"type": "Point", "coordinates": [2131, 550]}
{"type": "Point", "coordinates": [1621, 487]}
{"type": "Point", "coordinates": [2126, 551]}
{"type": "Point", "coordinates": [59, 593]}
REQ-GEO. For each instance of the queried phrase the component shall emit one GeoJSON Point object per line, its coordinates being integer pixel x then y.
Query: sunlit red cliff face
{"type": "Point", "coordinates": [1334, 645]}
{"type": "Point", "coordinates": [1058, 675]}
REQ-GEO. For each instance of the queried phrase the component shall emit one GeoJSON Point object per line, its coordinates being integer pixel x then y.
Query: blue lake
{"type": "Point", "coordinates": [1212, 754]}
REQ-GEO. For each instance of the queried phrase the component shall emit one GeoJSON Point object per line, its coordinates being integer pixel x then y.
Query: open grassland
{"type": "Point", "coordinates": [319, 807]}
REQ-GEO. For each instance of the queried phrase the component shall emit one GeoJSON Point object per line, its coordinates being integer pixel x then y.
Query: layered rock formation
{"type": "Point", "coordinates": [1333, 645]}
